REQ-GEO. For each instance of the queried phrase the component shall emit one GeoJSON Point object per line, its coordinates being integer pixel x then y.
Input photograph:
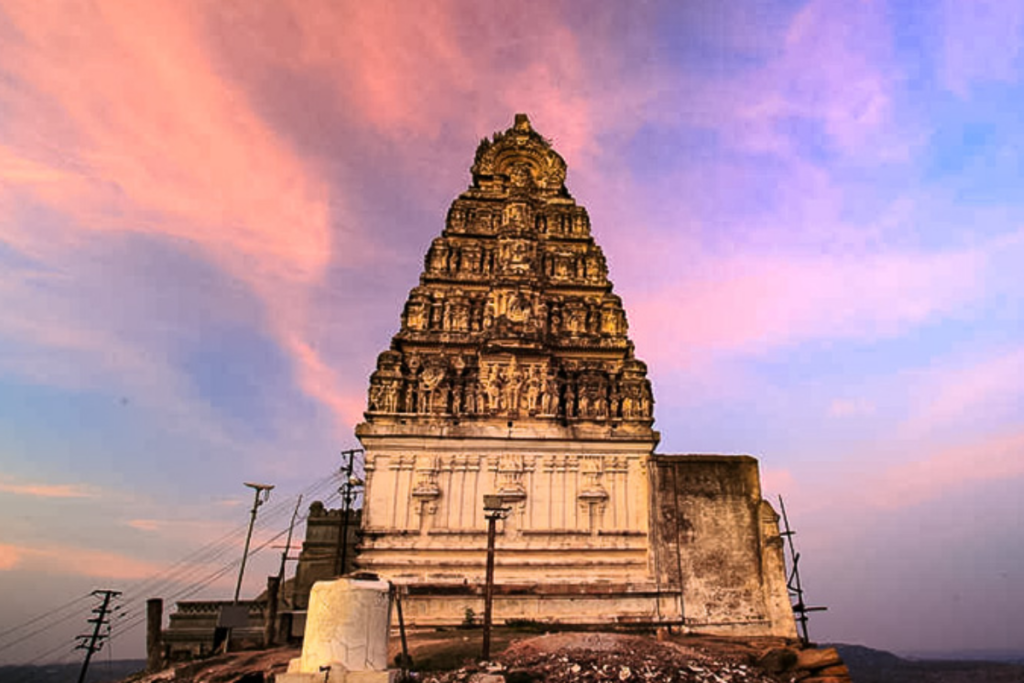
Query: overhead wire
{"type": "Point", "coordinates": [223, 544]}
{"type": "Point", "coordinates": [59, 608]}
{"type": "Point", "coordinates": [48, 656]}
{"type": "Point", "coordinates": [188, 569]}
{"type": "Point", "coordinates": [31, 634]}
{"type": "Point", "coordinates": [181, 572]}
{"type": "Point", "coordinates": [195, 587]}
{"type": "Point", "coordinates": [206, 581]}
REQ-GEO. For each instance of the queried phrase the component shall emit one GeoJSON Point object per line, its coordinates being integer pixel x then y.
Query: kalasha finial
{"type": "Point", "coordinates": [522, 123]}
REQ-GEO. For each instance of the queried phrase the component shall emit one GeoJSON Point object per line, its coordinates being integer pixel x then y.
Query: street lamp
{"type": "Point", "coordinates": [494, 509]}
{"type": "Point", "coordinates": [348, 488]}
{"type": "Point", "coordinates": [261, 490]}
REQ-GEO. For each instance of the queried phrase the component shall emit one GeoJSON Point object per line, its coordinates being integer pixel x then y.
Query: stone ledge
{"type": "Point", "coordinates": [540, 590]}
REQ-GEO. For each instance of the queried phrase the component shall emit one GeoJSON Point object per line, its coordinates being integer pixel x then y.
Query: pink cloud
{"type": "Point", "coordinates": [163, 142]}
{"type": "Point", "coordinates": [77, 561]}
{"type": "Point", "coordinates": [408, 75]}
{"type": "Point", "coordinates": [395, 68]}
{"type": "Point", "coordinates": [834, 68]}
{"type": "Point", "coordinates": [19, 171]}
{"type": "Point", "coordinates": [958, 398]}
{"type": "Point", "coordinates": [159, 143]}
{"type": "Point", "coordinates": [10, 556]}
{"type": "Point", "coordinates": [322, 382]}
{"type": "Point", "coordinates": [159, 135]}
{"type": "Point", "coordinates": [7, 485]}
{"type": "Point", "coordinates": [992, 457]}
{"type": "Point", "coordinates": [194, 532]}
{"type": "Point", "coordinates": [748, 305]}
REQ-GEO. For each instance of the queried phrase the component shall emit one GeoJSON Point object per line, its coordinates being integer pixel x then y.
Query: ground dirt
{"type": "Point", "coordinates": [454, 657]}
{"type": "Point", "coordinates": [583, 656]}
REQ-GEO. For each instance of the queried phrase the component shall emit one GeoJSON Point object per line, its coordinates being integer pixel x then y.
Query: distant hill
{"type": "Point", "coordinates": [100, 671]}
{"type": "Point", "coordinates": [1005, 656]}
{"type": "Point", "coordinates": [878, 666]}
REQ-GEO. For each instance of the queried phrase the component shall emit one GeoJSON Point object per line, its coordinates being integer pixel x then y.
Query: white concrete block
{"type": "Point", "coordinates": [347, 626]}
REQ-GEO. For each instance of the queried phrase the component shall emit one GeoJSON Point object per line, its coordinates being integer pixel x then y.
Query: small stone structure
{"type": "Point", "coordinates": [513, 374]}
{"type": "Point", "coordinates": [346, 634]}
{"type": "Point", "coordinates": [192, 631]}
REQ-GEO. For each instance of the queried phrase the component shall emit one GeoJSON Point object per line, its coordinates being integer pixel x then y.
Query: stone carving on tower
{"type": "Point", "coordinates": [514, 317]}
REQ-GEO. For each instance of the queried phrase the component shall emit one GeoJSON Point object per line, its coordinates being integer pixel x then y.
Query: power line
{"type": "Point", "coordinates": [45, 627]}
{"type": "Point", "coordinates": [221, 545]}
{"type": "Point", "coordinates": [44, 615]}
{"type": "Point", "coordinates": [68, 648]}
{"type": "Point", "coordinates": [181, 572]}
{"type": "Point", "coordinates": [191, 575]}
{"type": "Point", "coordinates": [185, 569]}
{"type": "Point", "coordinates": [194, 588]}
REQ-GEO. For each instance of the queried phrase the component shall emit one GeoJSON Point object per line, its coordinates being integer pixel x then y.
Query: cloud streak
{"type": "Point", "coordinates": [754, 304]}
{"type": "Point", "coordinates": [37, 490]}
{"type": "Point", "coordinates": [70, 560]}
{"type": "Point", "coordinates": [992, 388]}
{"type": "Point", "coordinates": [998, 456]}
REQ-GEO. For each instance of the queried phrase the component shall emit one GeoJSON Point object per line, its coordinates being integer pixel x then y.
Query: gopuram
{"type": "Point", "coordinates": [513, 375]}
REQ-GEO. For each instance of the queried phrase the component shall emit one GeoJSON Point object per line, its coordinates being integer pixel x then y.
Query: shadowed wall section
{"type": "Point", "coordinates": [715, 537]}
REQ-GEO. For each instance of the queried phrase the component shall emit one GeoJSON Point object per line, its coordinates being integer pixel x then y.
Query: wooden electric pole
{"type": "Point", "coordinates": [93, 643]}
{"type": "Point", "coordinates": [348, 488]}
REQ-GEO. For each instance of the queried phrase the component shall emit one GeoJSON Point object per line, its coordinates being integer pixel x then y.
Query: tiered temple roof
{"type": "Point", "coordinates": [514, 318]}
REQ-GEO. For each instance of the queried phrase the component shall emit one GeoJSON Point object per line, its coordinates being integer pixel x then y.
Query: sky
{"type": "Point", "coordinates": [211, 214]}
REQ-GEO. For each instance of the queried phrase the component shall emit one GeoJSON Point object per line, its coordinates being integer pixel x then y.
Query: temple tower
{"type": "Point", "coordinates": [513, 374]}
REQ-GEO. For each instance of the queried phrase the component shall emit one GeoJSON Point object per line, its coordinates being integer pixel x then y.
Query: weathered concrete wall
{"type": "Point", "coordinates": [713, 538]}
{"type": "Point", "coordinates": [320, 551]}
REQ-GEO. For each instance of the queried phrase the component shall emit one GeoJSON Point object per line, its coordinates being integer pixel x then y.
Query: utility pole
{"type": "Point", "coordinates": [796, 590]}
{"type": "Point", "coordinates": [93, 643]}
{"type": "Point", "coordinates": [260, 490]}
{"type": "Point", "coordinates": [288, 542]}
{"type": "Point", "coordinates": [348, 487]}
{"type": "Point", "coordinates": [494, 509]}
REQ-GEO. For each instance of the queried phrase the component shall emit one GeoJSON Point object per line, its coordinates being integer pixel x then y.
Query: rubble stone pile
{"type": "Point", "coordinates": [608, 657]}
{"type": "Point", "coordinates": [806, 666]}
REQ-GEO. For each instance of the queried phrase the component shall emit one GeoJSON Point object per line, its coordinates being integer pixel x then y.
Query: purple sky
{"type": "Point", "coordinates": [211, 214]}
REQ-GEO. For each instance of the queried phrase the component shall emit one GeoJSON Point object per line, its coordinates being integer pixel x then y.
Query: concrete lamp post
{"type": "Point", "coordinates": [236, 614]}
{"type": "Point", "coordinates": [494, 509]}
